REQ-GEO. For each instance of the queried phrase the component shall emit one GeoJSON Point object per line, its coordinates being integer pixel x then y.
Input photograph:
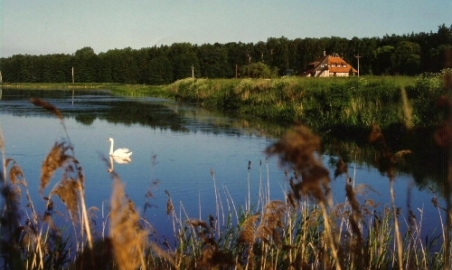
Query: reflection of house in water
{"type": "Point", "coordinates": [330, 66]}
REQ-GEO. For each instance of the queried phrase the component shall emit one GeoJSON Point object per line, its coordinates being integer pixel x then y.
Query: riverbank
{"type": "Point", "coordinates": [320, 103]}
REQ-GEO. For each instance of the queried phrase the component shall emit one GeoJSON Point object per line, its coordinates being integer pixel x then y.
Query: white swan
{"type": "Point", "coordinates": [120, 153]}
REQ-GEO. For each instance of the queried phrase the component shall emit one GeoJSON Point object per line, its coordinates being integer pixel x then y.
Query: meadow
{"type": "Point", "coordinates": [307, 231]}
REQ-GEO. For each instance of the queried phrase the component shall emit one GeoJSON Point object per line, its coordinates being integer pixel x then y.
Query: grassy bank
{"type": "Point", "coordinates": [320, 103]}
{"type": "Point", "coordinates": [137, 90]}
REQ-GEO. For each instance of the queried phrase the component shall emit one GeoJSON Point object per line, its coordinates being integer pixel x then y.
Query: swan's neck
{"type": "Point", "coordinates": [111, 147]}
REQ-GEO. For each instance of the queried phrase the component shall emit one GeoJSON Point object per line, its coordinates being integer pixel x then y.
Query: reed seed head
{"type": "Point", "coordinates": [45, 105]}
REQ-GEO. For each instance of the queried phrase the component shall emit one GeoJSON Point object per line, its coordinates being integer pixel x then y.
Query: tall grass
{"type": "Point", "coordinates": [306, 231]}
{"type": "Point", "coordinates": [320, 103]}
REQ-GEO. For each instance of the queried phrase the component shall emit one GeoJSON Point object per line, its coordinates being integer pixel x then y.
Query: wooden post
{"type": "Point", "coordinates": [72, 74]}
{"type": "Point", "coordinates": [192, 71]}
{"type": "Point", "coordinates": [1, 78]}
{"type": "Point", "coordinates": [236, 68]}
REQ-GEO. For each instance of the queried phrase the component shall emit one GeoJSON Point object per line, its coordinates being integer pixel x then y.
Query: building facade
{"type": "Point", "coordinates": [330, 66]}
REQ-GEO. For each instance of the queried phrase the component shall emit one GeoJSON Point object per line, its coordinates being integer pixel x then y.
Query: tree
{"type": "Point", "coordinates": [213, 61]}
{"type": "Point", "coordinates": [258, 70]}
{"type": "Point", "coordinates": [279, 51]}
{"type": "Point", "coordinates": [160, 70]}
{"type": "Point", "coordinates": [85, 65]}
{"type": "Point", "coordinates": [383, 59]}
{"type": "Point", "coordinates": [406, 58]}
{"type": "Point", "coordinates": [183, 58]}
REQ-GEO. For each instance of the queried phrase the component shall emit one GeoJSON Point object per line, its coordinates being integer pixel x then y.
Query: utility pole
{"type": "Point", "coordinates": [357, 57]}
{"type": "Point", "coordinates": [73, 88]}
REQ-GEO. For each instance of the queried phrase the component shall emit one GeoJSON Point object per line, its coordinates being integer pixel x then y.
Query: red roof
{"type": "Point", "coordinates": [338, 65]}
{"type": "Point", "coordinates": [332, 63]}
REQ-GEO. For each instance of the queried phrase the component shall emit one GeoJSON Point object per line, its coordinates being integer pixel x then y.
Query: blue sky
{"type": "Point", "coordinates": [63, 26]}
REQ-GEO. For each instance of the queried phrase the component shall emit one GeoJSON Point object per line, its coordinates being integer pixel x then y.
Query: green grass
{"type": "Point", "coordinates": [320, 103]}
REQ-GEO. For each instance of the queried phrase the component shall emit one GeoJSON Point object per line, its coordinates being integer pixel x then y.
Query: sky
{"type": "Point", "coordinates": [64, 26]}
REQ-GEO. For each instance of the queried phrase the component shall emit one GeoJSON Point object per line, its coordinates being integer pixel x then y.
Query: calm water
{"type": "Point", "coordinates": [175, 148]}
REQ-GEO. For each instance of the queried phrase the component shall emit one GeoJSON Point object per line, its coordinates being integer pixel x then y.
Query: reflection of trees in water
{"type": "Point", "coordinates": [86, 119]}
{"type": "Point", "coordinates": [143, 113]}
{"type": "Point", "coordinates": [426, 162]}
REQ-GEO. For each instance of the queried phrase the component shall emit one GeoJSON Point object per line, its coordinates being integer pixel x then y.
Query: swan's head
{"type": "Point", "coordinates": [110, 139]}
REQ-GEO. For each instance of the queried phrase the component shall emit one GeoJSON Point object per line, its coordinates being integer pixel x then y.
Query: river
{"type": "Point", "coordinates": [198, 157]}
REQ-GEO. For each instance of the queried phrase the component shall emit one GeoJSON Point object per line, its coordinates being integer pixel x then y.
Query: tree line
{"type": "Point", "coordinates": [408, 54]}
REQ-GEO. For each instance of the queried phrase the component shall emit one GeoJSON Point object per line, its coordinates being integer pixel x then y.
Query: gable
{"type": "Point", "coordinates": [338, 65]}
{"type": "Point", "coordinates": [334, 64]}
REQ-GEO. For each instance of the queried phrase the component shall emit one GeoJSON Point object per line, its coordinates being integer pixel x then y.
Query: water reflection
{"type": "Point", "coordinates": [426, 163]}
{"type": "Point", "coordinates": [118, 160]}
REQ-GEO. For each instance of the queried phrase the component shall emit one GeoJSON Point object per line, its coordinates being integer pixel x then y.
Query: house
{"type": "Point", "coordinates": [329, 66]}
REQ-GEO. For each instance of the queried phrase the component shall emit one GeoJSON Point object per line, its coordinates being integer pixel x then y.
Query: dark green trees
{"type": "Point", "coordinates": [85, 65]}
{"type": "Point", "coordinates": [213, 61]}
{"type": "Point", "coordinates": [406, 58]}
{"type": "Point", "coordinates": [388, 55]}
{"type": "Point", "coordinates": [160, 70]}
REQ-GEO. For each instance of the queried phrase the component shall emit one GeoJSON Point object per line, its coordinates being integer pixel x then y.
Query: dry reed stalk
{"type": "Point", "coordinates": [55, 159]}
{"type": "Point", "coordinates": [447, 82]}
{"type": "Point", "coordinates": [355, 220]}
{"type": "Point", "coordinates": [271, 223]}
{"type": "Point", "coordinates": [248, 230]}
{"type": "Point", "coordinates": [52, 109]}
{"type": "Point", "coordinates": [2, 149]}
{"type": "Point", "coordinates": [407, 110]}
{"type": "Point", "coordinates": [164, 255]}
{"type": "Point", "coordinates": [300, 147]}
{"type": "Point", "coordinates": [211, 256]}
{"type": "Point", "coordinates": [218, 203]}
{"type": "Point", "coordinates": [66, 190]}
{"type": "Point", "coordinates": [247, 236]}
{"type": "Point", "coordinates": [385, 163]}
{"type": "Point", "coordinates": [49, 107]}
{"type": "Point", "coordinates": [17, 177]}
{"type": "Point", "coordinates": [248, 204]}
{"type": "Point", "coordinates": [127, 235]}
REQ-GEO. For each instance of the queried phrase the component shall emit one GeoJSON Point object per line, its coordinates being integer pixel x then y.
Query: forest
{"type": "Point", "coordinates": [407, 54]}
